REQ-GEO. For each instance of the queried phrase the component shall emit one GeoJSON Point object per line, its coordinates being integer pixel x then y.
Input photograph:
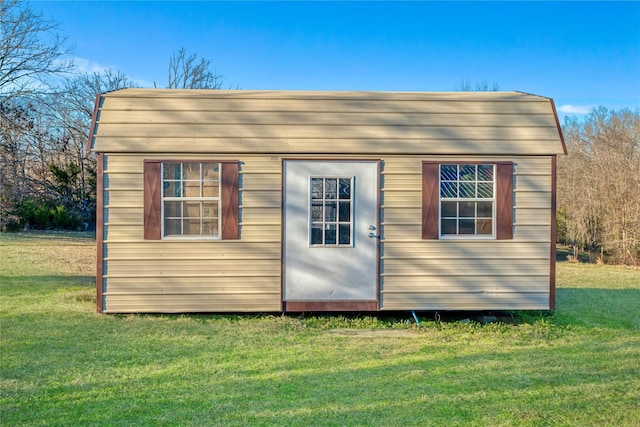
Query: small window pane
{"type": "Point", "coordinates": [467, 209]}
{"type": "Point", "coordinates": [172, 189]}
{"type": "Point", "coordinates": [449, 209]}
{"type": "Point", "coordinates": [330, 234]}
{"type": "Point", "coordinates": [316, 234]}
{"type": "Point", "coordinates": [467, 190]}
{"type": "Point", "coordinates": [330, 211]}
{"type": "Point", "coordinates": [172, 209]}
{"type": "Point", "coordinates": [210, 171]}
{"type": "Point", "coordinates": [191, 226]}
{"type": "Point", "coordinates": [345, 234]}
{"type": "Point", "coordinates": [210, 189]}
{"type": "Point", "coordinates": [191, 171]}
{"type": "Point", "coordinates": [316, 188]}
{"type": "Point", "coordinates": [467, 226]}
{"type": "Point", "coordinates": [330, 188]}
{"type": "Point", "coordinates": [191, 209]}
{"type": "Point", "coordinates": [172, 227]}
{"type": "Point", "coordinates": [192, 189]}
{"type": "Point", "coordinates": [316, 211]}
{"type": "Point", "coordinates": [345, 212]}
{"type": "Point", "coordinates": [485, 173]}
{"type": "Point", "coordinates": [210, 210]}
{"type": "Point", "coordinates": [209, 228]}
{"type": "Point", "coordinates": [345, 188]}
{"type": "Point", "coordinates": [485, 209]}
{"type": "Point", "coordinates": [485, 190]}
{"type": "Point", "coordinates": [449, 189]}
{"type": "Point", "coordinates": [448, 226]}
{"type": "Point", "coordinates": [171, 171]}
{"type": "Point", "coordinates": [448, 172]}
{"type": "Point", "coordinates": [467, 172]}
{"type": "Point", "coordinates": [484, 226]}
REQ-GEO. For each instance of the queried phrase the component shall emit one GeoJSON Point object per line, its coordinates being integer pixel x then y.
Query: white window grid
{"type": "Point", "coordinates": [201, 199]}
{"type": "Point", "coordinates": [459, 198]}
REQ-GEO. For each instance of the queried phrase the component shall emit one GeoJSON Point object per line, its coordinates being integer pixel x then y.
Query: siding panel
{"type": "Point", "coordinates": [192, 275]}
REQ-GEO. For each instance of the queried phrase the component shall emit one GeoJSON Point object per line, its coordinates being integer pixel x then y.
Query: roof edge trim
{"type": "Point", "coordinates": [94, 122]}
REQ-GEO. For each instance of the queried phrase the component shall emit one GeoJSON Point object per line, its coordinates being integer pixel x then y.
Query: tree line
{"type": "Point", "coordinates": [48, 177]}
{"type": "Point", "coordinates": [599, 185]}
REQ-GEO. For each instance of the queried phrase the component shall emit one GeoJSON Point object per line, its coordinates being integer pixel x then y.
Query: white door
{"type": "Point", "coordinates": [330, 231]}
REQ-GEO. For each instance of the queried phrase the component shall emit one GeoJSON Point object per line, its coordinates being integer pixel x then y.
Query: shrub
{"type": "Point", "coordinates": [63, 219]}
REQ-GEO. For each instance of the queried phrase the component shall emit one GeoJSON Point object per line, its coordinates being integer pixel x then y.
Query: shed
{"type": "Point", "coordinates": [272, 201]}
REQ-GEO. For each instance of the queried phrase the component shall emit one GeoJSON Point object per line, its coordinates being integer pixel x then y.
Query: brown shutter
{"type": "Point", "coordinates": [430, 199]}
{"type": "Point", "coordinates": [152, 200]}
{"type": "Point", "coordinates": [504, 201]}
{"type": "Point", "coordinates": [229, 199]}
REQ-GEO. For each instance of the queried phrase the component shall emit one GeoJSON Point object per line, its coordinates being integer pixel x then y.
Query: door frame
{"type": "Point", "coordinates": [302, 306]}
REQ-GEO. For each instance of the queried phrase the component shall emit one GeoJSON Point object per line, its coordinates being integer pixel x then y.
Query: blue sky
{"type": "Point", "coordinates": [582, 54]}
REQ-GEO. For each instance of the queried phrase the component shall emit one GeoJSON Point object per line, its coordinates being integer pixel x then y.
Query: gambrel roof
{"type": "Point", "coordinates": [301, 122]}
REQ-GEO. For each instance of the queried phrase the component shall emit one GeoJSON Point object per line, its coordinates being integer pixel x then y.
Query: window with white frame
{"type": "Point", "coordinates": [331, 211]}
{"type": "Point", "coordinates": [191, 199]}
{"type": "Point", "coordinates": [467, 200]}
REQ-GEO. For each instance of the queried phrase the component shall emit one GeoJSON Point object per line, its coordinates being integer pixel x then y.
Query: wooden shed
{"type": "Point", "coordinates": [270, 201]}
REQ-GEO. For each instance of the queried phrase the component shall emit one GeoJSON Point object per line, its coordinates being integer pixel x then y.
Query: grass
{"type": "Point", "coordinates": [62, 364]}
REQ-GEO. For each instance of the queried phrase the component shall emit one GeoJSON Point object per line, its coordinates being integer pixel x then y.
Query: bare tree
{"type": "Point", "coordinates": [599, 183]}
{"type": "Point", "coordinates": [483, 86]}
{"type": "Point", "coordinates": [73, 111]}
{"type": "Point", "coordinates": [187, 72]}
{"type": "Point", "coordinates": [31, 51]}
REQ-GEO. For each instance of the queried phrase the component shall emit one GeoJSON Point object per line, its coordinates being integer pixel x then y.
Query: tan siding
{"type": "Point", "coordinates": [265, 118]}
{"type": "Point", "coordinates": [458, 143]}
{"type": "Point", "coordinates": [465, 274]}
{"type": "Point", "coordinates": [467, 301]}
{"type": "Point", "coordinates": [188, 275]}
{"type": "Point", "coordinates": [180, 303]}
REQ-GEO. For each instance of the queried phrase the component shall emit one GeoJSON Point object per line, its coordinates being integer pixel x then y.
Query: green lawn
{"type": "Point", "coordinates": [62, 364]}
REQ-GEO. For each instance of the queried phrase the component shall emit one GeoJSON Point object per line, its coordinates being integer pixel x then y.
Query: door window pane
{"type": "Point", "coordinates": [316, 234]}
{"type": "Point", "coordinates": [344, 234]}
{"type": "Point", "coordinates": [316, 188]}
{"type": "Point", "coordinates": [330, 234]}
{"type": "Point", "coordinates": [344, 214]}
{"type": "Point", "coordinates": [330, 188]}
{"type": "Point", "coordinates": [330, 211]}
{"type": "Point", "coordinates": [316, 211]}
{"type": "Point", "coordinates": [345, 188]}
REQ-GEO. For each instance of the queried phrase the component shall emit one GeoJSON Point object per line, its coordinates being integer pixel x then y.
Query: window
{"type": "Point", "coordinates": [331, 205]}
{"type": "Point", "coordinates": [467, 200]}
{"type": "Point", "coordinates": [190, 199]}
